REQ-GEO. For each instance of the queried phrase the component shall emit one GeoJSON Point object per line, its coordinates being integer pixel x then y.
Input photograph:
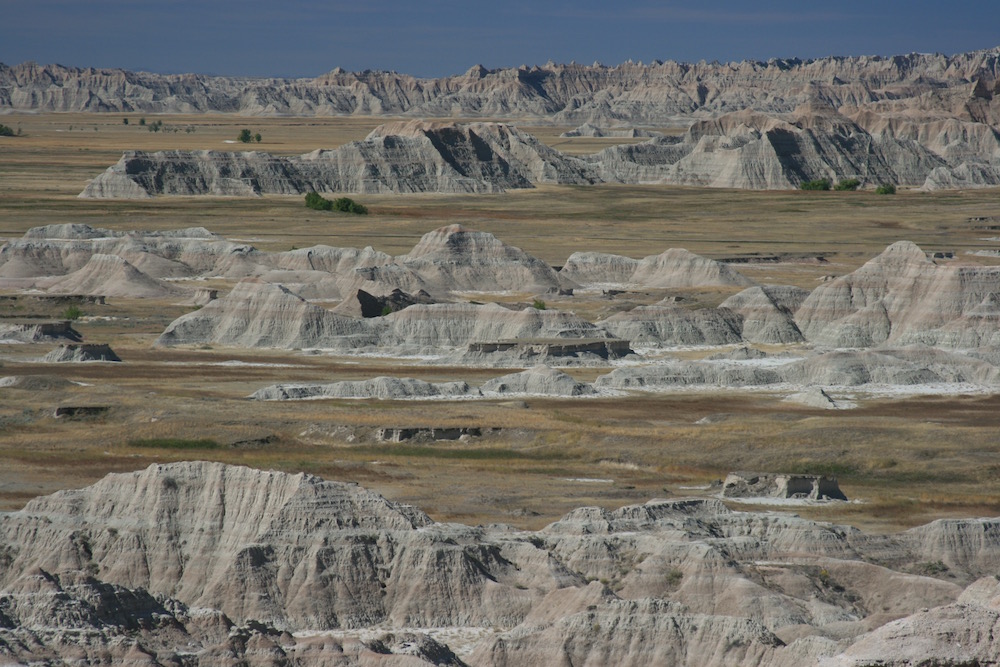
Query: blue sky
{"type": "Point", "coordinates": [440, 37]}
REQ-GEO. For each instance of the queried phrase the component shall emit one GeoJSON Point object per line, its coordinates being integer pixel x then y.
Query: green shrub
{"type": "Point", "coordinates": [142, 121]}
{"type": "Point", "coordinates": [348, 205]}
{"type": "Point", "coordinates": [817, 184]}
{"type": "Point", "coordinates": [124, 121]}
{"type": "Point", "coordinates": [538, 304]}
{"type": "Point", "coordinates": [847, 184]}
{"type": "Point", "coordinates": [155, 126]}
{"type": "Point", "coordinates": [342, 204]}
{"type": "Point", "coordinates": [386, 310]}
{"type": "Point", "coordinates": [886, 189]}
{"type": "Point", "coordinates": [6, 131]}
{"type": "Point", "coordinates": [72, 313]}
{"type": "Point", "coordinates": [317, 202]}
{"type": "Point", "coordinates": [245, 137]}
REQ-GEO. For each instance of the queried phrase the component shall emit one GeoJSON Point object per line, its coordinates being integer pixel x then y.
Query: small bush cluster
{"type": "Point", "coordinates": [886, 189]}
{"type": "Point", "coordinates": [817, 184]}
{"type": "Point", "coordinates": [848, 184]}
{"type": "Point", "coordinates": [247, 137]}
{"type": "Point", "coordinates": [342, 204]}
{"type": "Point", "coordinates": [6, 131]}
{"type": "Point", "coordinates": [72, 313]}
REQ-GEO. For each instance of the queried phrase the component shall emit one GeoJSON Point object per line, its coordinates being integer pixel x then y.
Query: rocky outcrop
{"type": "Point", "coordinates": [398, 157]}
{"type": "Point", "coordinates": [379, 387]}
{"type": "Point", "coordinates": [680, 374]}
{"type": "Point", "coordinates": [28, 331]}
{"type": "Point", "coordinates": [673, 268]}
{"type": "Point", "coordinates": [455, 258]}
{"type": "Point", "coordinates": [110, 275]}
{"type": "Point", "coordinates": [665, 324]}
{"type": "Point", "coordinates": [743, 149]}
{"type": "Point", "coordinates": [81, 352]}
{"type": "Point", "coordinates": [902, 297]}
{"type": "Point", "coordinates": [260, 314]}
{"type": "Point", "coordinates": [589, 130]}
{"type": "Point", "coordinates": [658, 93]}
{"type": "Point", "coordinates": [215, 562]}
{"type": "Point", "coordinates": [767, 312]}
{"type": "Point", "coordinates": [778, 485]}
{"type": "Point", "coordinates": [539, 380]}
{"type": "Point", "coordinates": [366, 305]}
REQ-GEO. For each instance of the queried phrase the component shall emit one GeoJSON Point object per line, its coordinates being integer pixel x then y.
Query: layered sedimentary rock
{"type": "Point", "coordinates": [59, 250]}
{"type": "Point", "coordinates": [963, 85]}
{"type": "Point", "coordinates": [110, 275]}
{"type": "Point", "coordinates": [260, 314]}
{"type": "Point", "coordinates": [379, 387]}
{"type": "Point", "coordinates": [398, 157]}
{"type": "Point", "coordinates": [673, 268]}
{"type": "Point", "coordinates": [216, 563]}
{"type": "Point", "coordinates": [767, 312]}
{"type": "Point", "coordinates": [903, 297]}
{"type": "Point", "coordinates": [668, 324]}
{"type": "Point", "coordinates": [81, 352]}
{"type": "Point", "coordinates": [538, 380]}
{"type": "Point", "coordinates": [736, 150]}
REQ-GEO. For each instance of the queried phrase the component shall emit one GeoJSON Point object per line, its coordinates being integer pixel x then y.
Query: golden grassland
{"type": "Point", "coordinates": [910, 460]}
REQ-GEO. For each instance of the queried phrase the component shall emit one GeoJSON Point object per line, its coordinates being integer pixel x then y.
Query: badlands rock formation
{"type": "Point", "coordinates": [203, 563]}
{"type": "Point", "coordinates": [660, 93]}
{"type": "Point", "coordinates": [673, 268]}
{"type": "Point", "coordinates": [737, 150]}
{"type": "Point", "coordinates": [539, 380]}
{"type": "Point", "coordinates": [399, 157]}
{"type": "Point", "coordinates": [903, 297]}
{"type": "Point", "coordinates": [81, 352]}
{"type": "Point", "coordinates": [379, 387]}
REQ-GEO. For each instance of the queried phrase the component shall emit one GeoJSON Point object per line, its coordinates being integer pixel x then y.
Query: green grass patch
{"type": "Point", "coordinates": [173, 443]}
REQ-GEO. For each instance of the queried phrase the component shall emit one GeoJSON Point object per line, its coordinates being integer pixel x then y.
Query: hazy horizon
{"type": "Point", "coordinates": [305, 38]}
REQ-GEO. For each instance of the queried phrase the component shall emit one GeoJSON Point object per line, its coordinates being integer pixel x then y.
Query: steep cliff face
{"type": "Point", "coordinates": [963, 85]}
{"type": "Point", "coordinates": [209, 564]}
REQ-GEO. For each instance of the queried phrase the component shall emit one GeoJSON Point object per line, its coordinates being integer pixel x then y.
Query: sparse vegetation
{"type": "Point", "coordinates": [155, 126]}
{"type": "Point", "coordinates": [886, 189]}
{"type": "Point", "coordinates": [848, 184]}
{"type": "Point", "coordinates": [538, 304]}
{"type": "Point", "coordinates": [142, 121]}
{"type": "Point", "coordinates": [6, 131]}
{"type": "Point", "coordinates": [72, 313]}
{"type": "Point", "coordinates": [817, 184]}
{"type": "Point", "coordinates": [173, 443]}
{"type": "Point", "coordinates": [124, 121]}
{"type": "Point", "coordinates": [257, 137]}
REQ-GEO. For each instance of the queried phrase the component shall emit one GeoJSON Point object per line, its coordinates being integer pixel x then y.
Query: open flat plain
{"type": "Point", "coordinates": [906, 460]}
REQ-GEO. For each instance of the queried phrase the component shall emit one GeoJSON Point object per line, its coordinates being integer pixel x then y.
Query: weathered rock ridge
{"type": "Point", "coordinates": [961, 86]}
{"type": "Point", "coordinates": [736, 150]}
{"type": "Point", "coordinates": [204, 563]}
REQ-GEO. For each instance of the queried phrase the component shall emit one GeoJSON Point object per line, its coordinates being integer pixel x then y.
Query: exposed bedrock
{"type": "Point", "coordinates": [964, 86]}
{"type": "Point", "coordinates": [183, 558]}
{"type": "Point", "coordinates": [742, 149]}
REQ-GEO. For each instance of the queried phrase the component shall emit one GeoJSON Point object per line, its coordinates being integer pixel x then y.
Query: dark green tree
{"type": "Point", "coordinates": [245, 136]}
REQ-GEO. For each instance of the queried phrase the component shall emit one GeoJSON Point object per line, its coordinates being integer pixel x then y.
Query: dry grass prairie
{"type": "Point", "coordinates": [909, 459]}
